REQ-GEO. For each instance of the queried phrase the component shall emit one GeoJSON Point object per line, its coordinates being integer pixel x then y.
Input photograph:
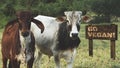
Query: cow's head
{"type": "Point", "coordinates": [74, 18]}
{"type": "Point", "coordinates": [24, 19]}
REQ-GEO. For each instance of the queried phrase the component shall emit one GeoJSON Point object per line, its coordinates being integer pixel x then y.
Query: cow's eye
{"type": "Point", "coordinates": [79, 21]}
{"type": "Point", "coordinates": [69, 27]}
{"type": "Point", "coordinates": [78, 27]}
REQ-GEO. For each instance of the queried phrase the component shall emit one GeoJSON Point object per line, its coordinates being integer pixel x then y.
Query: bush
{"type": "Point", "coordinates": [99, 19]}
{"type": "Point", "coordinates": [8, 10]}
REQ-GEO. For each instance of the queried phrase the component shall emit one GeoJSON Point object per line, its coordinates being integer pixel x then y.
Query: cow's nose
{"type": "Point", "coordinates": [74, 35]}
{"type": "Point", "coordinates": [25, 34]}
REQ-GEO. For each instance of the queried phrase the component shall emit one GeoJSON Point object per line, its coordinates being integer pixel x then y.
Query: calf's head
{"type": "Point", "coordinates": [73, 24]}
{"type": "Point", "coordinates": [24, 19]}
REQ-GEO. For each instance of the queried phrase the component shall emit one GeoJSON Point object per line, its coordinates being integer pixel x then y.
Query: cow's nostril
{"type": "Point", "coordinates": [74, 34]}
{"type": "Point", "coordinates": [25, 34]}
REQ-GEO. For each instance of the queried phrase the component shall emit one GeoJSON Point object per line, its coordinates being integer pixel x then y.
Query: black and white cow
{"type": "Point", "coordinates": [59, 39]}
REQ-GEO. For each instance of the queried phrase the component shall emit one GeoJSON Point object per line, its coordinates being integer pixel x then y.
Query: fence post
{"type": "Point", "coordinates": [112, 45]}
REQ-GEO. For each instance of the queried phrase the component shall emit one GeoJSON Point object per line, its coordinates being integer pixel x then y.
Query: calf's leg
{"type": "Point", "coordinates": [10, 64]}
{"type": "Point", "coordinates": [15, 63]}
{"type": "Point", "coordinates": [4, 60]}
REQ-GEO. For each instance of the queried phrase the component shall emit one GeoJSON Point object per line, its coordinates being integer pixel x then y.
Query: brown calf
{"type": "Point", "coordinates": [18, 41]}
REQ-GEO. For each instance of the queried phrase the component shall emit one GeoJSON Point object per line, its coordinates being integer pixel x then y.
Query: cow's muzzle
{"type": "Point", "coordinates": [74, 35]}
{"type": "Point", "coordinates": [25, 34]}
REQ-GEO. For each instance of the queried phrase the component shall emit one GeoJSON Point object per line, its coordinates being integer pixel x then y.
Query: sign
{"type": "Point", "coordinates": [104, 32]}
{"type": "Point", "coordinates": [107, 32]}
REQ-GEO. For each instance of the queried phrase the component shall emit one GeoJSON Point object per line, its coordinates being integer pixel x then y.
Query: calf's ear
{"type": "Point", "coordinates": [39, 24]}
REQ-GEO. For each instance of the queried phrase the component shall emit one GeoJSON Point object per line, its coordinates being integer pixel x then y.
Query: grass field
{"type": "Point", "coordinates": [101, 54]}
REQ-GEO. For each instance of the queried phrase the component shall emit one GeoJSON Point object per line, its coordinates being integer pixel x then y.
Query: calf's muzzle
{"type": "Point", "coordinates": [25, 34]}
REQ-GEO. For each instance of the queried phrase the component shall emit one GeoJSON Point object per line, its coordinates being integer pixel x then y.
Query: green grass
{"type": "Point", "coordinates": [101, 54]}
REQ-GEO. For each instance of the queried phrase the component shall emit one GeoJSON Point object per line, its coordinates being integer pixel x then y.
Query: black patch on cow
{"type": "Point", "coordinates": [64, 40]}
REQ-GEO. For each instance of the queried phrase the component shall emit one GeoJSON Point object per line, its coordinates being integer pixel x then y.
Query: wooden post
{"type": "Point", "coordinates": [91, 47]}
{"type": "Point", "coordinates": [112, 45]}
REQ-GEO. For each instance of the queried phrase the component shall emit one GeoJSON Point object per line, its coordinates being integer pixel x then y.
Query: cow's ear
{"type": "Point", "coordinates": [18, 14]}
{"type": "Point", "coordinates": [86, 19]}
{"type": "Point", "coordinates": [39, 24]}
{"type": "Point", "coordinates": [61, 19]}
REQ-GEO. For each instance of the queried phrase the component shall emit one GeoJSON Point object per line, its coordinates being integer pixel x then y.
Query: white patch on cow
{"type": "Point", "coordinates": [44, 41]}
{"type": "Point", "coordinates": [24, 41]}
{"type": "Point", "coordinates": [70, 60]}
{"type": "Point", "coordinates": [74, 30]}
{"type": "Point", "coordinates": [21, 57]}
{"type": "Point", "coordinates": [28, 57]}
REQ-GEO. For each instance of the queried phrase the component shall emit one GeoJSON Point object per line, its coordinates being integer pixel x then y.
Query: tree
{"type": "Point", "coordinates": [106, 8]}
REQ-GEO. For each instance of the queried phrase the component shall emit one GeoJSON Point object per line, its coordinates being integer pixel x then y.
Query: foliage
{"type": "Point", "coordinates": [44, 7]}
{"type": "Point", "coordinates": [103, 8]}
{"type": "Point", "coordinates": [106, 8]}
{"type": "Point", "coordinates": [98, 20]}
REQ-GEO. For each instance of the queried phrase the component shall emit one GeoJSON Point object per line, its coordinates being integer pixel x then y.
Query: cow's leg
{"type": "Point", "coordinates": [70, 58]}
{"type": "Point", "coordinates": [57, 61]}
{"type": "Point", "coordinates": [4, 60]}
{"type": "Point", "coordinates": [37, 60]}
{"type": "Point", "coordinates": [15, 63]}
{"type": "Point", "coordinates": [30, 63]}
{"type": "Point", "coordinates": [10, 64]}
